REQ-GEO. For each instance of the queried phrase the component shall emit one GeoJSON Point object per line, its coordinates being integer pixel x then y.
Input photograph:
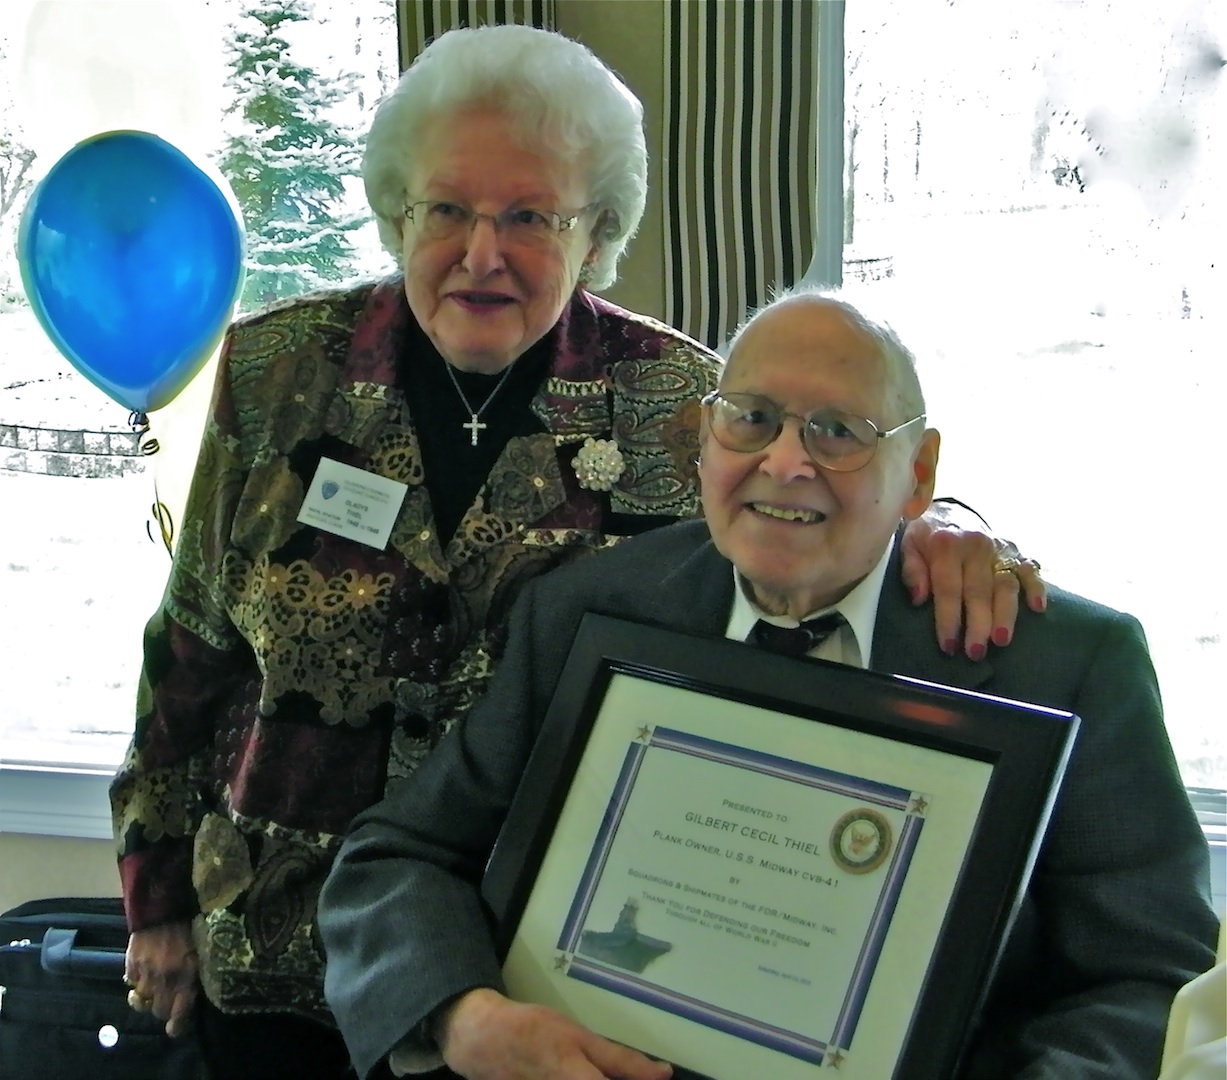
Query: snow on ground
{"type": "Point", "coordinates": [78, 577]}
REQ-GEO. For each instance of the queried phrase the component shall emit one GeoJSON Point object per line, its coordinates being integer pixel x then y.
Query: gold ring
{"type": "Point", "coordinates": [1006, 566]}
{"type": "Point", "coordinates": [137, 1002]}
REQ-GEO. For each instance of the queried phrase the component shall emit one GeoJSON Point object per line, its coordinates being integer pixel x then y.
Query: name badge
{"type": "Point", "coordinates": [352, 503]}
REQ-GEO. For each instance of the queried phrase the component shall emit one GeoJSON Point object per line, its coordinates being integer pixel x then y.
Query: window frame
{"type": "Point", "coordinates": [60, 801]}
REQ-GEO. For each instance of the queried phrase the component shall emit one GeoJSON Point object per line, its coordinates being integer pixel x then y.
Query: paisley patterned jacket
{"type": "Point", "coordinates": [290, 675]}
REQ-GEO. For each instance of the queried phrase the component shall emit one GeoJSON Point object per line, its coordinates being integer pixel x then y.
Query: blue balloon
{"type": "Point", "coordinates": [132, 259]}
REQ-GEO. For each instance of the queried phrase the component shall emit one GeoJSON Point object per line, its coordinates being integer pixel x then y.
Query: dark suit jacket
{"type": "Point", "coordinates": [1116, 919]}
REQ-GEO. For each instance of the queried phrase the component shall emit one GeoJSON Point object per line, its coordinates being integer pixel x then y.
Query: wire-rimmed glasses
{"type": "Point", "coordinates": [437, 219]}
{"type": "Point", "coordinates": [835, 440]}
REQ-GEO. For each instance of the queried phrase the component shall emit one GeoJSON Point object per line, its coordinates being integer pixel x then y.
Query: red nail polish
{"type": "Point", "coordinates": [977, 651]}
{"type": "Point", "coordinates": [918, 595]}
{"type": "Point", "coordinates": [1001, 636]}
{"type": "Point", "coordinates": [950, 646]}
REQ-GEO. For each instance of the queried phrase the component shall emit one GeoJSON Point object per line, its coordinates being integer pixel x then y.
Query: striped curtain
{"type": "Point", "coordinates": [421, 21]}
{"type": "Point", "coordinates": [739, 163]}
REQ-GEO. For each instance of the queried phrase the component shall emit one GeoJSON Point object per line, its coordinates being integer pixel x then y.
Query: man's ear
{"type": "Point", "coordinates": [924, 474]}
{"type": "Point", "coordinates": [704, 426]}
{"type": "Point", "coordinates": [704, 435]}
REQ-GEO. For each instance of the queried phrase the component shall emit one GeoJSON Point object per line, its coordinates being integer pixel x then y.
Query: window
{"type": "Point", "coordinates": [80, 570]}
{"type": "Point", "coordinates": [1037, 186]}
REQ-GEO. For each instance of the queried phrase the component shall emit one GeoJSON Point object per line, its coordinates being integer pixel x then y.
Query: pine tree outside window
{"type": "Point", "coordinates": [288, 158]}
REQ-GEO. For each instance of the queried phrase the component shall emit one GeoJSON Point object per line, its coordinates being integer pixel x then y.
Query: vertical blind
{"type": "Point", "coordinates": [739, 164]}
{"type": "Point", "coordinates": [421, 21]}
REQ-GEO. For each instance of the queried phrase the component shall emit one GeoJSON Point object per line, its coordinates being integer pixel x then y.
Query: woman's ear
{"type": "Point", "coordinates": [589, 263]}
{"type": "Point", "coordinates": [603, 228]}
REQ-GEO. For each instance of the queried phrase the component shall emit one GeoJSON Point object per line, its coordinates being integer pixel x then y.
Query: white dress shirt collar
{"type": "Point", "coordinates": [854, 642]}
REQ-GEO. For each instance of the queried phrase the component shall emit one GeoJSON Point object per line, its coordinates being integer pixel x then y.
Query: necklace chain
{"type": "Point", "coordinates": [475, 425]}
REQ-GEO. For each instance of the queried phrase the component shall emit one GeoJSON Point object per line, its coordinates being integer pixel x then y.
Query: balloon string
{"type": "Point", "coordinates": [166, 526]}
{"type": "Point", "coordinates": [146, 443]}
{"type": "Point", "coordinates": [148, 446]}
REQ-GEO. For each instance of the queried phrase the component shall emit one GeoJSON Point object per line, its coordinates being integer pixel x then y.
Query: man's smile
{"type": "Point", "coordinates": [788, 513]}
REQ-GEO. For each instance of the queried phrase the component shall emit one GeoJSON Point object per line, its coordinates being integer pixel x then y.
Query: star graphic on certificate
{"type": "Point", "coordinates": [645, 733]}
{"type": "Point", "coordinates": [835, 1058]}
{"type": "Point", "coordinates": [919, 804]}
{"type": "Point", "coordinates": [561, 961]}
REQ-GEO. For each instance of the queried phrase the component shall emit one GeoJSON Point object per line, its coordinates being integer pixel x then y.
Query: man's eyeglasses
{"type": "Point", "coordinates": [437, 219]}
{"type": "Point", "coordinates": [839, 441]}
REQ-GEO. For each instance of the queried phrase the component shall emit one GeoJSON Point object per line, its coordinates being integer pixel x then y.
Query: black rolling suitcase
{"type": "Point", "coordinates": [64, 1011]}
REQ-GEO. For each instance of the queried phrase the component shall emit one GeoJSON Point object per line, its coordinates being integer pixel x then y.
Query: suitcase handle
{"type": "Point", "coordinates": [61, 955]}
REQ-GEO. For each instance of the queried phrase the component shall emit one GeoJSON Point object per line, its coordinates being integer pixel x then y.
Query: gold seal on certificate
{"type": "Point", "coordinates": [860, 841]}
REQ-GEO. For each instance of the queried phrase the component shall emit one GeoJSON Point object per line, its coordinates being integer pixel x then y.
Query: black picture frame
{"type": "Point", "coordinates": [1012, 753]}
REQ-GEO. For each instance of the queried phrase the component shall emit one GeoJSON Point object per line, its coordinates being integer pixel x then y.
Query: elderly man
{"type": "Point", "coordinates": [814, 451]}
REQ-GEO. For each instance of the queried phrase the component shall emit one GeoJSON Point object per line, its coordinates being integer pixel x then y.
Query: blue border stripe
{"type": "Point", "coordinates": [871, 949]}
{"type": "Point", "coordinates": [595, 865]}
{"type": "Point", "coordinates": [787, 1042]}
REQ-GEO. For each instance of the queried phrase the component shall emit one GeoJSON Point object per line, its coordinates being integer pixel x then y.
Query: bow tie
{"type": "Point", "coordinates": [795, 640]}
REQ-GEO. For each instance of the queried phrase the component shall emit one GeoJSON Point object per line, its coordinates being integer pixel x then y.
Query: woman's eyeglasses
{"type": "Point", "coordinates": [839, 441]}
{"type": "Point", "coordinates": [436, 219]}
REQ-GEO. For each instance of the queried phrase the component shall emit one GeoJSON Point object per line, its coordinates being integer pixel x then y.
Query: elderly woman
{"type": "Point", "coordinates": [383, 469]}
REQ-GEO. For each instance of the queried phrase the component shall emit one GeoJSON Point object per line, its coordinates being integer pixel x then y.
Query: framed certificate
{"type": "Point", "coordinates": [751, 865]}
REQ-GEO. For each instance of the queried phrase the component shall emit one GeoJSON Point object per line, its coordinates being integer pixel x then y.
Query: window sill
{"type": "Point", "coordinates": [40, 800]}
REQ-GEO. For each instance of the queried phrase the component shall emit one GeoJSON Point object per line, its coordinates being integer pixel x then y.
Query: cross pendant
{"type": "Point", "coordinates": [474, 426]}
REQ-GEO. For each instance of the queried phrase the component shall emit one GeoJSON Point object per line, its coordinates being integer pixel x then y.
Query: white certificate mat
{"type": "Point", "coordinates": [746, 879]}
{"type": "Point", "coordinates": [751, 865]}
